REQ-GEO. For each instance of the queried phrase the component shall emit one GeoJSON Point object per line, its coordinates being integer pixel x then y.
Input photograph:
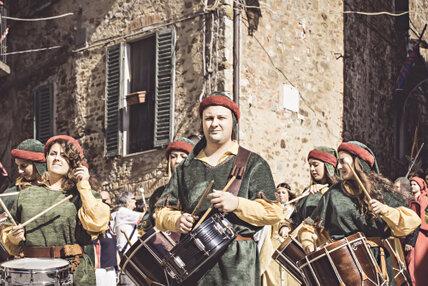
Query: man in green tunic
{"type": "Point", "coordinates": [212, 159]}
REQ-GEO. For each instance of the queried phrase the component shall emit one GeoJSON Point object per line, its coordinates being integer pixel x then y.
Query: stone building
{"type": "Point", "coordinates": [126, 77]}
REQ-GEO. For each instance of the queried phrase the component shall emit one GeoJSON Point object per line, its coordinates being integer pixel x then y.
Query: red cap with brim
{"type": "Point", "coordinates": [180, 146]}
{"type": "Point", "coordinates": [28, 155]}
{"type": "Point", "coordinates": [357, 151]}
{"type": "Point", "coordinates": [323, 156]}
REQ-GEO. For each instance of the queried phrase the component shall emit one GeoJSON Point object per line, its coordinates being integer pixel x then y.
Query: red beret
{"type": "Point", "coordinates": [65, 138]}
{"type": "Point", "coordinates": [178, 145]}
{"type": "Point", "coordinates": [222, 100]}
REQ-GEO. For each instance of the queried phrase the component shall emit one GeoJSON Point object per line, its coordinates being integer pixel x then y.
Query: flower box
{"type": "Point", "coordinates": [136, 97]}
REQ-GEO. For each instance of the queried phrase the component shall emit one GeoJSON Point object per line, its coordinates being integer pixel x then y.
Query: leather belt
{"type": "Point", "coordinates": [241, 238]}
{"type": "Point", "coordinates": [53, 251]}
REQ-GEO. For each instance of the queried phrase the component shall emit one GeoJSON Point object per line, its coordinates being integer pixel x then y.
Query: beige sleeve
{"type": "Point", "coordinates": [12, 248]}
{"type": "Point", "coordinates": [94, 214]}
{"type": "Point", "coordinates": [310, 235]}
{"type": "Point", "coordinates": [166, 219]}
{"type": "Point", "coordinates": [402, 221]}
{"type": "Point", "coordinates": [259, 212]}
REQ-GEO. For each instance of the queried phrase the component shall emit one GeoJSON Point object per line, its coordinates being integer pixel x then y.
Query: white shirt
{"type": "Point", "coordinates": [126, 220]}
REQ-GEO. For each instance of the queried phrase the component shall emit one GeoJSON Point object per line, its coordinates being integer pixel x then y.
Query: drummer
{"type": "Point", "coordinates": [65, 230]}
{"type": "Point", "coordinates": [345, 209]}
{"type": "Point", "coordinates": [31, 163]}
{"type": "Point", "coordinates": [322, 166]}
{"type": "Point", "coordinates": [212, 159]}
{"type": "Point", "coordinates": [175, 153]}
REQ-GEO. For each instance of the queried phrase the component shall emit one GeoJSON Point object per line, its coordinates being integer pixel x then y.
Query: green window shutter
{"type": "Point", "coordinates": [113, 91]}
{"type": "Point", "coordinates": [43, 112]}
{"type": "Point", "coordinates": [164, 88]}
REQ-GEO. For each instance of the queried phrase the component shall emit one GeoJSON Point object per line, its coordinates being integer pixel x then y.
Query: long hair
{"type": "Point", "coordinates": [373, 182]}
{"type": "Point", "coordinates": [74, 160]}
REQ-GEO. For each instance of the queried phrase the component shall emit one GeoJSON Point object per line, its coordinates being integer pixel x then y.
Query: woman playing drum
{"type": "Point", "coordinates": [346, 209]}
{"type": "Point", "coordinates": [65, 230]}
{"type": "Point", "coordinates": [322, 165]}
{"type": "Point", "coordinates": [31, 163]}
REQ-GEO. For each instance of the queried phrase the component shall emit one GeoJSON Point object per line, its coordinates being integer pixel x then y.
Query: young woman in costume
{"type": "Point", "coordinates": [345, 209]}
{"type": "Point", "coordinates": [64, 231]}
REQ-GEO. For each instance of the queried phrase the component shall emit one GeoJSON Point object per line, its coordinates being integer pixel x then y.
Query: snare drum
{"type": "Point", "coordinates": [348, 261]}
{"type": "Point", "coordinates": [200, 248]}
{"type": "Point", "coordinates": [288, 254]}
{"type": "Point", "coordinates": [144, 261]}
{"type": "Point", "coordinates": [36, 271]}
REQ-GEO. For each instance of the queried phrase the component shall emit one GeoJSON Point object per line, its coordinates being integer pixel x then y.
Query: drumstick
{"type": "Point", "coordinates": [211, 207]}
{"type": "Point", "coordinates": [7, 212]}
{"type": "Point", "coordinates": [126, 236]}
{"type": "Point", "coordinates": [46, 210]}
{"type": "Point", "coordinates": [298, 198]}
{"type": "Point", "coordinates": [358, 179]}
{"type": "Point", "coordinates": [9, 194]}
{"type": "Point", "coordinates": [204, 195]}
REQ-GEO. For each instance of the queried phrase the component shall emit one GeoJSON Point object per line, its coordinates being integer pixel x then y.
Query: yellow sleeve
{"type": "Point", "coordinates": [94, 214]}
{"type": "Point", "coordinates": [402, 221]}
{"type": "Point", "coordinates": [310, 235]}
{"type": "Point", "coordinates": [12, 248]}
{"type": "Point", "coordinates": [166, 219]}
{"type": "Point", "coordinates": [259, 212]}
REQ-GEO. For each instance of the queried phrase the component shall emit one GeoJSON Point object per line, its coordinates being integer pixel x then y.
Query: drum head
{"type": "Point", "coordinates": [35, 263]}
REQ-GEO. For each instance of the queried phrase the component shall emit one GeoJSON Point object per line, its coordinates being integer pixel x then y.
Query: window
{"type": "Point", "coordinates": [140, 94]}
{"type": "Point", "coordinates": [43, 112]}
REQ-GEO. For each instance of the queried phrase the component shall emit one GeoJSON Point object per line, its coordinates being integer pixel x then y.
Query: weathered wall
{"type": "Point", "coordinates": [373, 56]}
{"type": "Point", "coordinates": [299, 40]}
{"type": "Point", "coordinates": [79, 79]}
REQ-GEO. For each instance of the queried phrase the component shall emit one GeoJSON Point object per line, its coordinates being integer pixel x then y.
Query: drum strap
{"type": "Point", "coordinates": [377, 242]}
{"type": "Point", "coordinates": [238, 169]}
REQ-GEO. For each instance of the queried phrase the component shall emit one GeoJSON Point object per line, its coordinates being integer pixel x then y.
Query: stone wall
{"type": "Point", "coordinates": [373, 54]}
{"type": "Point", "coordinates": [78, 75]}
{"type": "Point", "coordinates": [297, 43]}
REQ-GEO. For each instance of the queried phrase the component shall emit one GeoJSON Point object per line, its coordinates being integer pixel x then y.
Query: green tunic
{"type": "Point", "coordinates": [338, 212]}
{"type": "Point", "coordinates": [60, 226]}
{"type": "Point", "coordinates": [304, 208]}
{"type": "Point", "coordinates": [239, 265]}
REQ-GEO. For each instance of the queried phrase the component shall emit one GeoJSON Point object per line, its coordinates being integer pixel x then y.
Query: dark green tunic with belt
{"type": "Point", "coordinates": [239, 265]}
{"type": "Point", "coordinates": [60, 226]}
{"type": "Point", "coordinates": [339, 213]}
{"type": "Point", "coordinates": [148, 220]}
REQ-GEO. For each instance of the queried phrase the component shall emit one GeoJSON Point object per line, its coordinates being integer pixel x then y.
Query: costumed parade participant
{"type": "Point", "coordinates": [212, 159]}
{"type": "Point", "coordinates": [346, 209]}
{"type": "Point", "coordinates": [175, 153]}
{"type": "Point", "coordinates": [31, 163]}
{"type": "Point", "coordinates": [272, 236]}
{"type": "Point", "coordinates": [417, 256]}
{"type": "Point", "coordinates": [322, 165]}
{"type": "Point", "coordinates": [65, 230]}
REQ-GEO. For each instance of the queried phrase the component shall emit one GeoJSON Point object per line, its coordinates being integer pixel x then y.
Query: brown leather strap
{"type": "Point", "coordinates": [378, 242]}
{"type": "Point", "coordinates": [53, 251]}
{"type": "Point", "coordinates": [238, 169]}
{"type": "Point", "coordinates": [240, 237]}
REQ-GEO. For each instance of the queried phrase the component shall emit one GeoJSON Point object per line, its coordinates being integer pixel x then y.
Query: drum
{"type": "Point", "coordinates": [288, 254]}
{"type": "Point", "coordinates": [401, 275]}
{"type": "Point", "coordinates": [348, 261]}
{"type": "Point", "coordinates": [36, 271]}
{"type": "Point", "coordinates": [144, 261]}
{"type": "Point", "coordinates": [193, 255]}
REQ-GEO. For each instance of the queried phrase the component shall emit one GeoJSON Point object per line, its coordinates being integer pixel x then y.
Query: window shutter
{"type": "Point", "coordinates": [112, 96]}
{"type": "Point", "coordinates": [43, 112]}
{"type": "Point", "coordinates": [164, 90]}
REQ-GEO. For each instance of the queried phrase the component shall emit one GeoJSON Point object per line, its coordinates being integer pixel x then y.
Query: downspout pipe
{"type": "Point", "coordinates": [236, 53]}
